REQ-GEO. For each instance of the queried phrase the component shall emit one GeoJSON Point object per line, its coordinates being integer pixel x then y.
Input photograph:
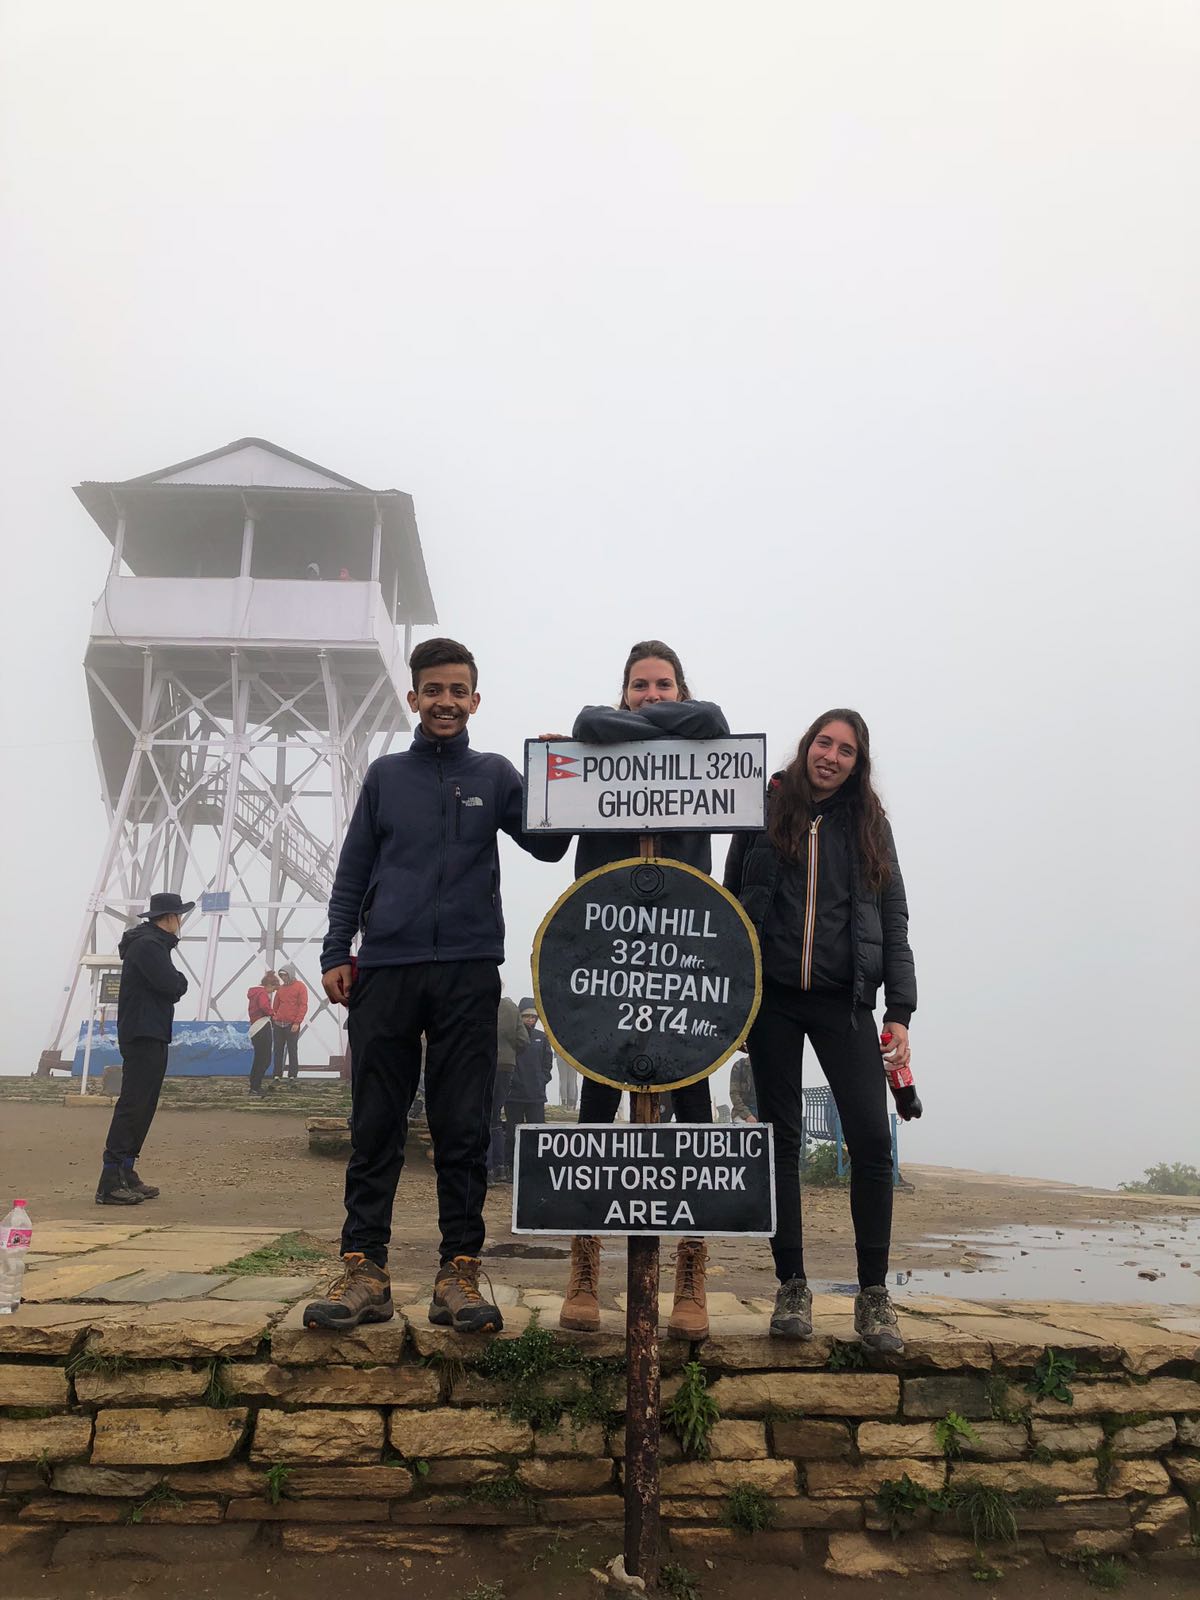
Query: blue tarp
{"type": "Point", "coordinates": [197, 1050]}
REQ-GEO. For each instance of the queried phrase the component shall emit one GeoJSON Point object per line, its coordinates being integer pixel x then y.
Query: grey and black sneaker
{"type": "Point", "coordinates": [144, 1191]}
{"type": "Point", "coordinates": [792, 1316]}
{"type": "Point", "coordinates": [113, 1188]}
{"type": "Point", "coordinates": [875, 1321]}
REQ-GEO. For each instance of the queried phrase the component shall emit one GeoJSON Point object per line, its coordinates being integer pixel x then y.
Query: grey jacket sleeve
{"type": "Point", "coordinates": [673, 719]}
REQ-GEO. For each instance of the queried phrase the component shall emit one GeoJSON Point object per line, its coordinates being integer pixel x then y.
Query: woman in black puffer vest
{"type": "Point", "coordinates": [822, 886]}
{"type": "Point", "coordinates": [656, 703]}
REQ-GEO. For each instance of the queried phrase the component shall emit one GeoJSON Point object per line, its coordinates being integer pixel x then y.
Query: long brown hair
{"type": "Point", "coordinates": [791, 803]}
{"type": "Point", "coordinates": [653, 649]}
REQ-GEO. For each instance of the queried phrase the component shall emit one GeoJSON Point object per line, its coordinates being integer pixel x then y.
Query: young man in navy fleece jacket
{"type": "Point", "coordinates": [419, 877]}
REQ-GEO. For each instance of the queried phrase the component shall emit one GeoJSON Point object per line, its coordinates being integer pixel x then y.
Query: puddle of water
{"type": "Point", "coordinates": [1100, 1263]}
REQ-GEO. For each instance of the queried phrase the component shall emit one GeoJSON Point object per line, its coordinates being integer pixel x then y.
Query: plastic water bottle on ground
{"type": "Point", "coordinates": [16, 1232]}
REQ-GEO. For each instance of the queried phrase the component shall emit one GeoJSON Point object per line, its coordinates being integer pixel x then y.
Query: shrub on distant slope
{"type": "Point", "coordinates": [1176, 1178]}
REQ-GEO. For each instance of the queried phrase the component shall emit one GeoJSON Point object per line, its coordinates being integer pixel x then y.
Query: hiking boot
{"type": "Point", "coordinates": [144, 1191]}
{"type": "Point", "coordinates": [361, 1292]}
{"type": "Point", "coordinates": [875, 1321]}
{"type": "Point", "coordinates": [114, 1190]}
{"type": "Point", "coordinates": [581, 1308]}
{"type": "Point", "coordinates": [689, 1314]}
{"type": "Point", "coordinates": [457, 1302]}
{"type": "Point", "coordinates": [792, 1316]}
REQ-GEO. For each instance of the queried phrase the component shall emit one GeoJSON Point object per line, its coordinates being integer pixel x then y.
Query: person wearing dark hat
{"type": "Point", "coordinates": [527, 1092]}
{"type": "Point", "coordinates": [150, 986]}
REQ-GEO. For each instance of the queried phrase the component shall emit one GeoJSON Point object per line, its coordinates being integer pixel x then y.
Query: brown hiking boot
{"type": "Point", "coordinates": [581, 1308]}
{"type": "Point", "coordinates": [457, 1302]}
{"type": "Point", "coordinates": [361, 1292]}
{"type": "Point", "coordinates": [689, 1314]}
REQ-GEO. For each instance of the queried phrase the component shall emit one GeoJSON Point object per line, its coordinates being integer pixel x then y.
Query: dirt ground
{"type": "Point", "coordinates": [226, 1167]}
{"type": "Point", "coordinates": [563, 1574]}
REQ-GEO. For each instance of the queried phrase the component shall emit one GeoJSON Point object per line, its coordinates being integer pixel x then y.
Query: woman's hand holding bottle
{"type": "Point", "coordinates": [893, 1042]}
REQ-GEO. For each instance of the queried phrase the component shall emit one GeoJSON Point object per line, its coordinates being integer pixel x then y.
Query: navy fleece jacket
{"type": "Point", "coordinates": [419, 871]}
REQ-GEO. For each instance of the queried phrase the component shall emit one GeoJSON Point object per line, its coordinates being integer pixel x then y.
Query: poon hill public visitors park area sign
{"type": "Point", "coordinates": [648, 976]}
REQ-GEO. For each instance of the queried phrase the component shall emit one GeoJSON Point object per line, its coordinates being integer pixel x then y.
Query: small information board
{"type": "Point", "coordinates": [672, 1177]}
{"type": "Point", "coordinates": [651, 786]}
{"type": "Point", "coordinates": [110, 988]}
{"type": "Point", "coordinates": [214, 902]}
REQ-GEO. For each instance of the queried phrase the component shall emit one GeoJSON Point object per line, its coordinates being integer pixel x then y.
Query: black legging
{"type": "Point", "coordinates": [262, 1042]}
{"type": "Point", "coordinates": [848, 1049]}
{"type": "Point", "coordinates": [599, 1102]}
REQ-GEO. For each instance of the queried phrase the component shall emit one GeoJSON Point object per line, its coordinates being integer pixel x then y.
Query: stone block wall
{"type": "Point", "coordinates": [116, 1435]}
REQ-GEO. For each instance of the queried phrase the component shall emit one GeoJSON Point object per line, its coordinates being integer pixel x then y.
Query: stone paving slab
{"type": "Point", "coordinates": [55, 1240]}
{"type": "Point", "coordinates": [71, 1280]}
{"type": "Point", "coordinates": [51, 1330]}
{"type": "Point", "coordinates": [253, 1287]}
{"type": "Point", "coordinates": [178, 1237]}
{"type": "Point", "coordinates": [156, 1284]}
{"type": "Point", "coordinates": [177, 1330]}
{"type": "Point", "coordinates": [1181, 1324]}
{"type": "Point", "coordinates": [1020, 1340]}
{"type": "Point", "coordinates": [121, 1259]}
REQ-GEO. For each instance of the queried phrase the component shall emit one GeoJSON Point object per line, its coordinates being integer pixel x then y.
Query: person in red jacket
{"type": "Point", "coordinates": [288, 1012]}
{"type": "Point", "coordinates": [260, 1001]}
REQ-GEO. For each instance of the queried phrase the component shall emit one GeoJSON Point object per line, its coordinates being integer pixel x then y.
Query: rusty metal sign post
{"type": "Point", "coordinates": [643, 1400]}
{"type": "Point", "coordinates": [647, 975]}
{"type": "Point", "coordinates": [643, 1383]}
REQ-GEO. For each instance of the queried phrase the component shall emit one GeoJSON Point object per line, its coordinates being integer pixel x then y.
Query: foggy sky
{"type": "Point", "coordinates": [852, 349]}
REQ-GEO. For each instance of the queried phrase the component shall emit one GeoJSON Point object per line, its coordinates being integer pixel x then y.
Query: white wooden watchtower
{"type": "Point", "coordinates": [243, 667]}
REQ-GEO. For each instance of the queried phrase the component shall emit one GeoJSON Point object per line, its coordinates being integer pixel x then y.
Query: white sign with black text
{"type": "Point", "coordinates": [707, 1179]}
{"type": "Point", "coordinates": [652, 786]}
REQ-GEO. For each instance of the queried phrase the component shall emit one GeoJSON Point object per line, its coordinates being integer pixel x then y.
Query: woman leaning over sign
{"type": "Point", "coordinates": [822, 886]}
{"type": "Point", "coordinates": [656, 703]}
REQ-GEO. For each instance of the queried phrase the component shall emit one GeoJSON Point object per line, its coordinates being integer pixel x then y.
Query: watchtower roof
{"type": "Point", "coordinates": [186, 520]}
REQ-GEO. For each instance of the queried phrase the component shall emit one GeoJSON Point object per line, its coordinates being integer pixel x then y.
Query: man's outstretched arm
{"type": "Point", "coordinates": [510, 815]}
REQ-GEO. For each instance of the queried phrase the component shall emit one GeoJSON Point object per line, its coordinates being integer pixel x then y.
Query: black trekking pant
{"type": "Point", "coordinates": [847, 1047]}
{"type": "Point", "coordinates": [600, 1102]}
{"type": "Point", "coordinates": [143, 1068]}
{"type": "Point", "coordinates": [262, 1043]}
{"type": "Point", "coordinates": [287, 1051]}
{"type": "Point", "coordinates": [453, 1003]}
{"type": "Point", "coordinates": [516, 1112]}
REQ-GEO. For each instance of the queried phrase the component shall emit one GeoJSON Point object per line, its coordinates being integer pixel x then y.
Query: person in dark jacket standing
{"type": "Point", "coordinates": [656, 703]}
{"type": "Point", "coordinates": [511, 1039]}
{"type": "Point", "coordinates": [527, 1092]}
{"type": "Point", "coordinates": [150, 986]}
{"type": "Point", "coordinates": [419, 877]}
{"type": "Point", "coordinates": [822, 885]}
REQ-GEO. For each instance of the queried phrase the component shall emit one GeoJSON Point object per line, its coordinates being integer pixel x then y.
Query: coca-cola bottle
{"type": "Point", "coordinates": [900, 1082]}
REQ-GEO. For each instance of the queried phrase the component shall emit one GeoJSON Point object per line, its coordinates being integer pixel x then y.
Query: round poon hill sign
{"type": "Point", "coordinates": [647, 974]}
